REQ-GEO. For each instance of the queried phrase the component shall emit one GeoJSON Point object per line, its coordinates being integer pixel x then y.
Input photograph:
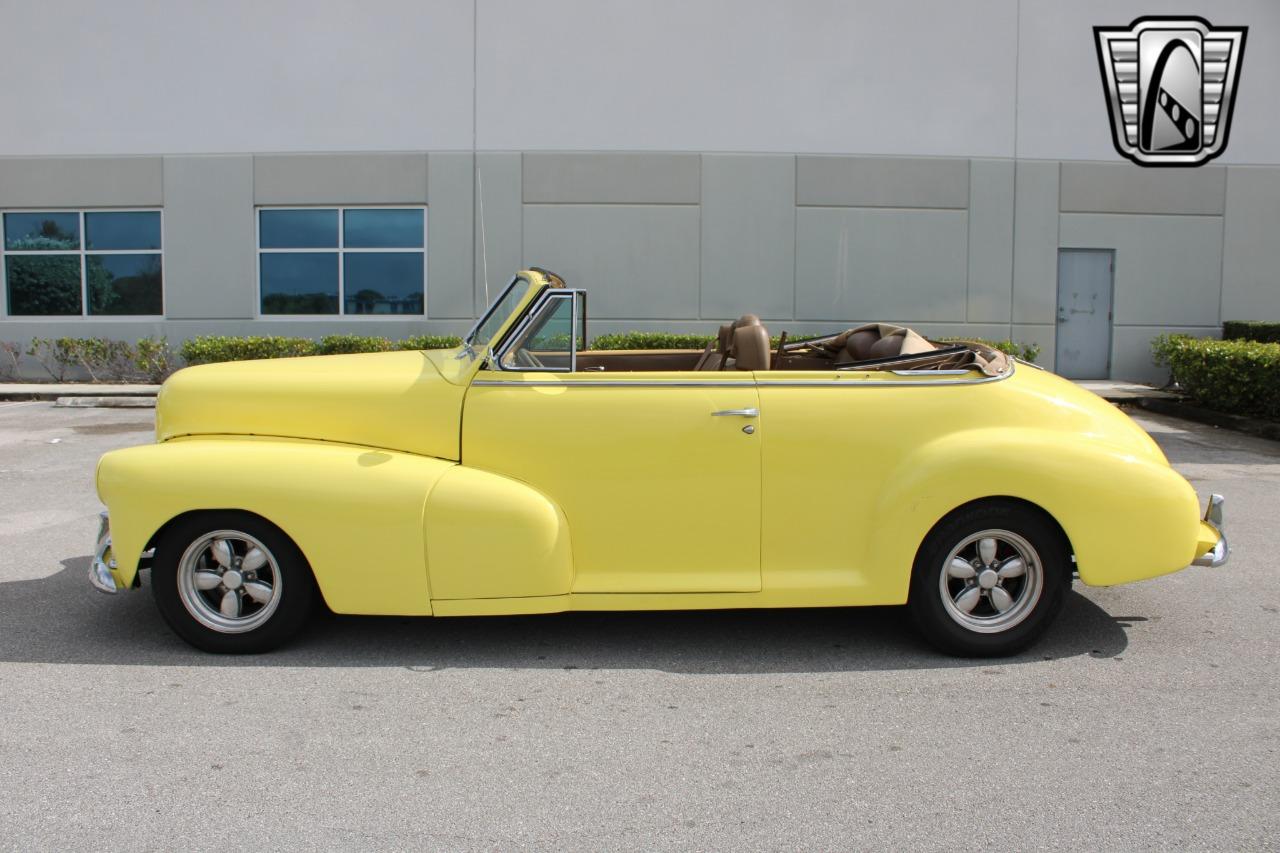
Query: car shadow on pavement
{"type": "Point", "coordinates": [61, 619]}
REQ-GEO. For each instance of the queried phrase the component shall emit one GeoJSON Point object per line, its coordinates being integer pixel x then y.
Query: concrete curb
{"type": "Point", "coordinates": [1191, 412]}
{"type": "Point", "coordinates": [54, 390]}
{"type": "Point", "coordinates": [105, 402]}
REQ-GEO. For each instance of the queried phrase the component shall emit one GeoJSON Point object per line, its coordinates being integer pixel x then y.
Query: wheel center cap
{"type": "Point", "coordinates": [987, 578]}
{"type": "Point", "coordinates": [232, 579]}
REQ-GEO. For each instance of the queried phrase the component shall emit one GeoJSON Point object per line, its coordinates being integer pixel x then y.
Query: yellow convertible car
{"type": "Point", "coordinates": [521, 474]}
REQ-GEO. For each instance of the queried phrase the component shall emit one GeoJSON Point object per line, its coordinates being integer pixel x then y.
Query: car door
{"type": "Point", "coordinates": [657, 473]}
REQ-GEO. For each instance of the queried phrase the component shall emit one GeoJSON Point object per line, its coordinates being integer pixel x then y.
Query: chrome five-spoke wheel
{"type": "Point", "coordinates": [991, 581]}
{"type": "Point", "coordinates": [229, 581]}
{"type": "Point", "coordinates": [990, 577]}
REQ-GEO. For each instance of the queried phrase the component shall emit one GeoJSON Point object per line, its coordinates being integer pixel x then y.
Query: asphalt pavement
{"type": "Point", "coordinates": [1148, 718]}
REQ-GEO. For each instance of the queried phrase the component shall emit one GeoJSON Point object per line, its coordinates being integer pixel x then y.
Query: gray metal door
{"type": "Point", "coordinates": [1084, 313]}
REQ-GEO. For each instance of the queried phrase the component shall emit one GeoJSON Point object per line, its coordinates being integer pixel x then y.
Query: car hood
{"type": "Point", "coordinates": [392, 400]}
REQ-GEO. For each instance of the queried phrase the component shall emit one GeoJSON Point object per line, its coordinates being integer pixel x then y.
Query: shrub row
{"type": "Point", "coordinates": [1017, 349]}
{"type": "Point", "coordinates": [214, 348]}
{"type": "Point", "coordinates": [1238, 377]}
{"type": "Point", "coordinates": [104, 360]}
{"type": "Point", "coordinates": [152, 359]}
{"type": "Point", "coordinates": [1237, 330]}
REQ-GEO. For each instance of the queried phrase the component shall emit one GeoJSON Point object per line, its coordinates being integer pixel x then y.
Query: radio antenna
{"type": "Point", "coordinates": [484, 249]}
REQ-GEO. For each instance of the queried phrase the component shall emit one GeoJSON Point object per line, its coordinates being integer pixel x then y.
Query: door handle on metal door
{"type": "Point", "coordinates": [739, 413]}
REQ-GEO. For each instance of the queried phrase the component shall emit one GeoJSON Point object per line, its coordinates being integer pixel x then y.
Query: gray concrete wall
{"type": "Point", "coordinates": [683, 241]}
{"type": "Point", "coordinates": [984, 78]}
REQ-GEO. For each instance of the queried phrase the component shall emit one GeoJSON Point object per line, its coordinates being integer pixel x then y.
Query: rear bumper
{"type": "Point", "coordinates": [100, 570]}
{"type": "Point", "coordinates": [1219, 551]}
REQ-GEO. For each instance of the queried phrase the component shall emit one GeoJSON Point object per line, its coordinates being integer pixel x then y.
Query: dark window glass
{"type": "Point", "coordinates": [43, 285]}
{"type": "Point", "coordinates": [124, 284]}
{"type": "Point", "coordinates": [41, 231]}
{"type": "Point", "coordinates": [299, 282]}
{"type": "Point", "coordinates": [382, 229]}
{"type": "Point", "coordinates": [132, 230]}
{"type": "Point", "coordinates": [383, 282]}
{"type": "Point", "coordinates": [298, 229]}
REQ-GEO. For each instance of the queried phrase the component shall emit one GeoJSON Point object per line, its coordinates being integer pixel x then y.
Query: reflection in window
{"type": "Point", "coordinates": [123, 284]}
{"type": "Point", "coordinates": [382, 229]}
{"type": "Point", "coordinates": [43, 285]}
{"type": "Point", "coordinates": [50, 271]}
{"type": "Point", "coordinates": [376, 263]}
{"type": "Point", "coordinates": [299, 282]}
{"type": "Point", "coordinates": [135, 230]}
{"type": "Point", "coordinates": [33, 232]}
{"type": "Point", "coordinates": [298, 229]}
{"type": "Point", "coordinates": [383, 282]}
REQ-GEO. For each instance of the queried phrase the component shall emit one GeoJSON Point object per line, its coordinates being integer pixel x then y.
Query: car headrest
{"type": "Point", "coordinates": [751, 347]}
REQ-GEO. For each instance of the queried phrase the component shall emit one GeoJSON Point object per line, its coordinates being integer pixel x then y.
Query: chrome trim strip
{"type": "Point", "coordinates": [543, 383]}
{"type": "Point", "coordinates": [493, 306]}
{"type": "Point", "coordinates": [764, 381]}
{"type": "Point", "coordinates": [795, 383]}
{"type": "Point", "coordinates": [927, 372]}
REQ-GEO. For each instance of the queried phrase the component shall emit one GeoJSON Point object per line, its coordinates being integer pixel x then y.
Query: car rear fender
{"type": "Point", "coordinates": [1127, 515]}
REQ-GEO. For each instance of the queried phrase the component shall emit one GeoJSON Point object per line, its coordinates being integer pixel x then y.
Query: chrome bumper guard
{"type": "Point", "coordinates": [1221, 551]}
{"type": "Point", "coordinates": [103, 561]}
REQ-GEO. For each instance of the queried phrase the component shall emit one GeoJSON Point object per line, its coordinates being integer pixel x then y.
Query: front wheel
{"type": "Point", "coordinates": [231, 582]}
{"type": "Point", "coordinates": [989, 579]}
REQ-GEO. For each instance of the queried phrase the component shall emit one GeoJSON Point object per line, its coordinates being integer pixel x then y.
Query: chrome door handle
{"type": "Point", "coordinates": [736, 413]}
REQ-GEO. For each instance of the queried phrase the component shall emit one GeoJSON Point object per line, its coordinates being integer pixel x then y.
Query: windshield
{"type": "Point", "coordinates": [498, 312]}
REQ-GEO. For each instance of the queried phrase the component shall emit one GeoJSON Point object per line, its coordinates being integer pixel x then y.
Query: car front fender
{"type": "Point", "coordinates": [355, 512]}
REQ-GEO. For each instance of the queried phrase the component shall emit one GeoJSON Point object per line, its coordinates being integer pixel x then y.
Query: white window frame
{"type": "Point", "coordinates": [340, 250]}
{"type": "Point", "coordinates": [82, 253]}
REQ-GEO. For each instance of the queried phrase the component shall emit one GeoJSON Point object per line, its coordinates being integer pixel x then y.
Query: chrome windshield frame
{"type": "Point", "coordinates": [535, 310]}
{"type": "Point", "coordinates": [469, 341]}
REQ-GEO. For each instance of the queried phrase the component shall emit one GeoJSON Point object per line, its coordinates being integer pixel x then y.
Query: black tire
{"type": "Point", "coordinates": [1030, 601]}
{"type": "Point", "coordinates": [248, 626]}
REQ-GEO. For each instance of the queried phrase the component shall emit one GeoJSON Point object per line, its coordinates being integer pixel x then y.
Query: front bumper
{"type": "Point", "coordinates": [103, 562]}
{"type": "Point", "coordinates": [1219, 552]}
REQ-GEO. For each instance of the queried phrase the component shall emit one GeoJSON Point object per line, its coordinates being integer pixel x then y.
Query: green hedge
{"type": "Point", "coordinates": [1018, 349]}
{"type": "Point", "coordinates": [103, 359]}
{"type": "Point", "coordinates": [152, 359]}
{"type": "Point", "coordinates": [1237, 330]}
{"type": "Point", "coordinates": [649, 340]}
{"type": "Point", "coordinates": [1239, 377]}
{"type": "Point", "coordinates": [216, 348]}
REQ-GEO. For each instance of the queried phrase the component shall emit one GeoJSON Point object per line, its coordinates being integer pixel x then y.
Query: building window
{"type": "Point", "coordinates": [342, 260]}
{"type": "Point", "coordinates": [73, 263]}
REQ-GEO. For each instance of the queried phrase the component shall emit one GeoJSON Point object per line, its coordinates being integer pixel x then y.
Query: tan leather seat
{"type": "Point", "coordinates": [751, 347]}
{"type": "Point", "coordinates": [725, 356]}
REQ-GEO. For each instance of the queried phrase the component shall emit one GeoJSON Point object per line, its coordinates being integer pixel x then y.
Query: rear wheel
{"type": "Point", "coordinates": [989, 579]}
{"type": "Point", "coordinates": [231, 582]}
